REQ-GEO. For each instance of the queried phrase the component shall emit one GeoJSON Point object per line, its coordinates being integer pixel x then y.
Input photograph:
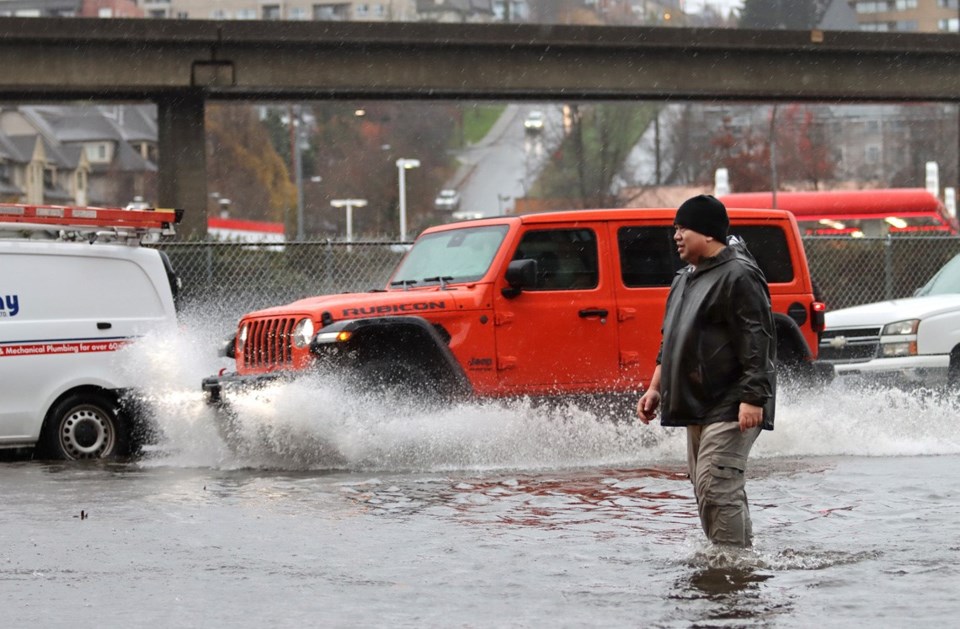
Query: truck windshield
{"type": "Point", "coordinates": [457, 255]}
{"type": "Point", "coordinates": [944, 281]}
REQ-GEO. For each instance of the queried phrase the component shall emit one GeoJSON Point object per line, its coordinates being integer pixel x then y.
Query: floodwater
{"type": "Point", "coordinates": [344, 512]}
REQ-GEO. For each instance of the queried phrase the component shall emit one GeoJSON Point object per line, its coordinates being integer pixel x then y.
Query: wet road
{"type": "Point", "coordinates": [840, 542]}
{"type": "Point", "coordinates": [485, 516]}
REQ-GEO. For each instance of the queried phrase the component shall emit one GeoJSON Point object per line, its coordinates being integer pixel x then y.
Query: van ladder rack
{"type": "Point", "coordinates": [89, 223]}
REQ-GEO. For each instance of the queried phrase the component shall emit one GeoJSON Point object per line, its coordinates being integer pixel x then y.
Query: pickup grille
{"type": "Point", "coordinates": [269, 343]}
{"type": "Point", "coordinates": [851, 345]}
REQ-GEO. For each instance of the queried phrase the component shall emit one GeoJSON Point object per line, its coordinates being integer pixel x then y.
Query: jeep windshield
{"type": "Point", "coordinates": [456, 255]}
{"type": "Point", "coordinates": [944, 282]}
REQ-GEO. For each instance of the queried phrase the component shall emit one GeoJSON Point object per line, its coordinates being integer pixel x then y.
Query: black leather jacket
{"type": "Point", "coordinates": [719, 342]}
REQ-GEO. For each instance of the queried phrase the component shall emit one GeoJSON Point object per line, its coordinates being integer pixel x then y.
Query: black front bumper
{"type": "Point", "coordinates": [214, 386]}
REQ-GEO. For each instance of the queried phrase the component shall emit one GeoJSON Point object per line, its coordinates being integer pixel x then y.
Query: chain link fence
{"type": "Point", "coordinates": [230, 279]}
{"type": "Point", "coordinates": [852, 271]}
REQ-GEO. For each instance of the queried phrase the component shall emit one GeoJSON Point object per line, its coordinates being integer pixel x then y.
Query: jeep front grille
{"type": "Point", "coordinates": [850, 345]}
{"type": "Point", "coordinates": [269, 343]}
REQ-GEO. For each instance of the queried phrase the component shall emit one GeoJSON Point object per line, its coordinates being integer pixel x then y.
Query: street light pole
{"type": "Point", "coordinates": [402, 166]}
{"type": "Point", "coordinates": [295, 123]}
{"type": "Point", "coordinates": [349, 204]}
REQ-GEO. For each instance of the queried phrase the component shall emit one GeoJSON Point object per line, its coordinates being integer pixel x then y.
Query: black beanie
{"type": "Point", "coordinates": [704, 214]}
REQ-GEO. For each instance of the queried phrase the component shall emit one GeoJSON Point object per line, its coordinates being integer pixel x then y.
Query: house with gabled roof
{"type": "Point", "coordinates": [33, 170]}
{"type": "Point", "coordinates": [111, 149]}
{"type": "Point", "coordinates": [12, 172]}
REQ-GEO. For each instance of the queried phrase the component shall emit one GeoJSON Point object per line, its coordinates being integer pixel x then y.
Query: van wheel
{"type": "Point", "coordinates": [85, 426]}
{"type": "Point", "coordinates": [227, 426]}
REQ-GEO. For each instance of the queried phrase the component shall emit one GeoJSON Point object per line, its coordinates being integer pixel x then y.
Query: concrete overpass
{"type": "Point", "coordinates": [181, 64]}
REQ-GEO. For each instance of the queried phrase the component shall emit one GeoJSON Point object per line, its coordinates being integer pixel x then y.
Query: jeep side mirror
{"type": "Point", "coordinates": [521, 274]}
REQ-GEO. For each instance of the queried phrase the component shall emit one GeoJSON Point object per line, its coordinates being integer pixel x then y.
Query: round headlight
{"type": "Point", "coordinates": [303, 333]}
{"type": "Point", "coordinates": [242, 338]}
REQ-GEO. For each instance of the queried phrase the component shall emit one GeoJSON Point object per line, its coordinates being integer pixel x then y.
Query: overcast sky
{"type": "Point", "coordinates": [721, 6]}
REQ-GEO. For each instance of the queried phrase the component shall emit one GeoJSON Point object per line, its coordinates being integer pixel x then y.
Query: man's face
{"type": "Point", "coordinates": [691, 245]}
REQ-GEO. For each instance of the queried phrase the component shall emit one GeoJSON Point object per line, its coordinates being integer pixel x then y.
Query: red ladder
{"type": "Point", "coordinates": [118, 222]}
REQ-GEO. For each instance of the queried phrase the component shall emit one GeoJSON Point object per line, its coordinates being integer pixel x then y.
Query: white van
{"type": "Point", "coordinates": [76, 287]}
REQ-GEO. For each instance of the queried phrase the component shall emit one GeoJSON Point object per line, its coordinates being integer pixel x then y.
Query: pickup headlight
{"type": "Point", "coordinates": [901, 327]}
{"type": "Point", "coordinates": [303, 333]}
{"type": "Point", "coordinates": [893, 350]}
{"type": "Point", "coordinates": [896, 347]}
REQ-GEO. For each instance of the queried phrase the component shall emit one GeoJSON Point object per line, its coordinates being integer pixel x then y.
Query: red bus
{"type": "Point", "coordinates": [857, 213]}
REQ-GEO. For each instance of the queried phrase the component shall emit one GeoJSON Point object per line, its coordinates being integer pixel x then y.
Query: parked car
{"type": "Point", "coordinates": [465, 216]}
{"type": "Point", "coordinates": [77, 287]}
{"type": "Point", "coordinates": [541, 305]}
{"type": "Point", "coordinates": [913, 341]}
{"type": "Point", "coordinates": [534, 122]}
{"type": "Point", "coordinates": [448, 200]}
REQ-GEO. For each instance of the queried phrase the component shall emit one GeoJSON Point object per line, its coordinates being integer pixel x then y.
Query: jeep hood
{"type": "Point", "coordinates": [356, 305]}
{"type": "Point", "coordinates": [884, 312]}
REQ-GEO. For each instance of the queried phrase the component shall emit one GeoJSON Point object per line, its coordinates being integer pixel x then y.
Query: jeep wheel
{"type": "Point", "coordinates": [397, 380]}
{"type": "Point", "coordinates": [84, 426]}
{"type": "Point", "coordinates": [227, 426]}
{"type": "Point", "coordinates": [953, 371]}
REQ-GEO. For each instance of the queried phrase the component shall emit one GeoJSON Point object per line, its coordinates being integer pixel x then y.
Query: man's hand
{"type": "Point", "coordinates": [648, 405]}
{"type": "Point", "coordinates": [750, 416]}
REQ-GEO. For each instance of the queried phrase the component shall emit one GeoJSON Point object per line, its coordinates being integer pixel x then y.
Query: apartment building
{"type": "Point", "coordinates": [327, 10]}
{"type": "Point", "coordinates": [70, 8]}
{"type": "Point", "coordinates": [926, 16]}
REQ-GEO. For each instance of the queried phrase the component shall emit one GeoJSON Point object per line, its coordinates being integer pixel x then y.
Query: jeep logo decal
{"type": "Point", "coordinates": [9, 306]}
{"type": "Point", "coordinates": [419, 306]}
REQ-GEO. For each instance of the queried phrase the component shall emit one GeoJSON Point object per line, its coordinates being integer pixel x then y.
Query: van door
{"type": "Point", "coordinates": [561, 335]}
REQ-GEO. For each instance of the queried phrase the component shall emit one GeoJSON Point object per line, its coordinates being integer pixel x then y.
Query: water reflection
{"type": "Point", "coordinates": [736, 596]}
{"type": "Point", "coordinates": [727, 585]}
{"type": "Point", "coordinates": [720, 583]}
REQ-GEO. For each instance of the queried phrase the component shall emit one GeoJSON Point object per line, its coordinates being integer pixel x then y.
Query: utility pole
{"type": "Point", "coordinates": [773, 157]}
{"type": "Point", "coordinates": [656, 145]}
{"type": "Point", "coordinates": [294, 118]}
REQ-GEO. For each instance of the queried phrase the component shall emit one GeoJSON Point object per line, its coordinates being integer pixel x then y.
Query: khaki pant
{"type": "Point", "coordinates": [717, 458]}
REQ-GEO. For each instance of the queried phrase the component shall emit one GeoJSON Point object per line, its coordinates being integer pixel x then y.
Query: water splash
{"type": "Point", "coordinates": [318, 423]}
{"type": "Point", "coordinates": [707, 556]}
{"type": "Point", "coordinates": [862, 420]}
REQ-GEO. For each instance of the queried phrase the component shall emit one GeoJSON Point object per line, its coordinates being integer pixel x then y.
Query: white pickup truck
{"type": "Point", "coordinates": [915, 340]}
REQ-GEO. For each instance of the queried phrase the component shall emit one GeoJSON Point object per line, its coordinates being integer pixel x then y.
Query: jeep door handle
{"type": "Point", "coordinates": [593, 312]}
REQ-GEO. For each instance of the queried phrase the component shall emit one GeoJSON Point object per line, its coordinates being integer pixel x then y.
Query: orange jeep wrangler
{"type": "Point", "coordinates": [554, 304]}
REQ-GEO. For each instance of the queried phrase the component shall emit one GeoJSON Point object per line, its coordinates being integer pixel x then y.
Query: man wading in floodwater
{"type": "Point", "coordinates": [715, 370]}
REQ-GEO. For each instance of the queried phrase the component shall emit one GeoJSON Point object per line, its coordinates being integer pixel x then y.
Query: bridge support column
{"type": "Point", "coordinates": [183, 159]}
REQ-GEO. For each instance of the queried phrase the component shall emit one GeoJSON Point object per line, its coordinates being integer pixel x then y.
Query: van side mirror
{"type": "Point", "coordinates": [521, 274]}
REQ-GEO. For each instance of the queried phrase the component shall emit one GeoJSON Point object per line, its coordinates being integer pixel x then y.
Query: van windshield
{"type": "Point", "coordinates": [945, 281]}
{"type": "Point", "coordinates": [457, 255]}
